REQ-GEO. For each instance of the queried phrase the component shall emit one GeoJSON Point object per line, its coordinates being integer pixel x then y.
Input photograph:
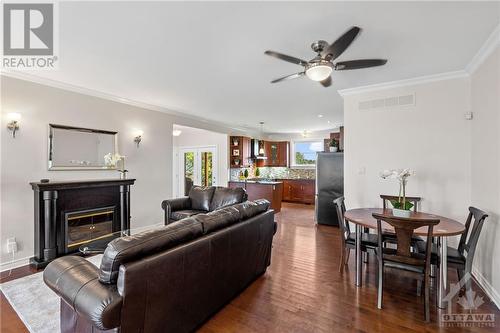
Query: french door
{"type": "Point", "coordinates": [197, 166]}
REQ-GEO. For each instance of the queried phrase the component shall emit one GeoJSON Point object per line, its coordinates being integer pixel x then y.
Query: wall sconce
{"type": "Point", "coordinates": [13, 124]}
{"type": "Point", "coordinates": [138, 137]}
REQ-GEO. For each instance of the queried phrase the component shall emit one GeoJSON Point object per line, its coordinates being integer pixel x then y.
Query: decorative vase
{"type": "Point", "coordinates": [401, 212]}
{"type": "Point", "coordinates": [333, 149]}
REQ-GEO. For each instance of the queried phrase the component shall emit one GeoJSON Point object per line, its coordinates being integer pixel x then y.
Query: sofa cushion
{"type": "Point", "coordinates": [218, 219]}
{"type": "Point", "coordinates": [129, 248]}
{"type": "Point", "coordinates": [249, 209]}
{"type": "Point", "coordinates": [225, 196]}
{"type": "Point", "coordinates": [201, 196]}
{"type": "Point", "coordinates": [182, 214]}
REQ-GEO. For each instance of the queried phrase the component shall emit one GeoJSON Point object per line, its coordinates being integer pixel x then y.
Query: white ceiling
{"type": "Point", "coordinates": [207, 59]}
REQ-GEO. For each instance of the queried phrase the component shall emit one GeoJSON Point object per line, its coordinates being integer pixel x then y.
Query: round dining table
{"type": "Point", "coordinates": [363, 218]}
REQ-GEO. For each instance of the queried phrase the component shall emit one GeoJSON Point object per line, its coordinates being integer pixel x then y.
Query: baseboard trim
{"type": "Point", "coordinates": [5, 266]}
{"type": "Point", "coordinates": [486, 286]}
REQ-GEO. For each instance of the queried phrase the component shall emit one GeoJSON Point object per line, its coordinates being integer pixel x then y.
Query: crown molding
{"type": "Point", "coordinates": [404, 83]}
{"type": "Point", "coordinates": [182, 118]}
{"type": "Point", "coordinates": [485, 51]}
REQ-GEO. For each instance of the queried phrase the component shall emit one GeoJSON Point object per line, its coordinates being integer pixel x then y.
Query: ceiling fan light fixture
{"type": "Point", "coordinates": [319, 71]}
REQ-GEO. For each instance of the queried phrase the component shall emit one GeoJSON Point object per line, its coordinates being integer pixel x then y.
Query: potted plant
{"type": "Point", "coordinates": [257, 172]}
{"type": "Point", "coordinates": [236, 161]}
{"type": "Point", "coordinates": [401, 207]}
{"type": "Point", "coordinates": [245, 174]}
{"type": "Point", "coordinates": [334, 146]}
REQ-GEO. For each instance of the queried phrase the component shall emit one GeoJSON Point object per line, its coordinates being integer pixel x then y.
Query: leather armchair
{"type": "Point", "coordinates": [173, 205]}
{"type": "Point", "coordinates": [202, 200]}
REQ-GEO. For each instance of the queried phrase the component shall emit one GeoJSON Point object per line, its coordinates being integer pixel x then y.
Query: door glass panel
{"type": "Point", "coordinates": [206, 168]}
{"type": "Point", "coordinates": [188, 171]}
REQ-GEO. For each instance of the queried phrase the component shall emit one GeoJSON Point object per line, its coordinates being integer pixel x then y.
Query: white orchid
{"type": "Point", "coordinates": [388, 174]}
{"type": "Point", "coordinates": [402, 176]}
{"type": "Point", "coordinates": [110, 160]}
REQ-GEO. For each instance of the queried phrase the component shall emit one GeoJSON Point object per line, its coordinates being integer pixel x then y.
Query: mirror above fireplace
{"type": "Point", "coordinates": [76, 148]}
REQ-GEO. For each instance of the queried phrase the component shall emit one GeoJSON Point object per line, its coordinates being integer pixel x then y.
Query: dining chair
{"type": "Point", "coordinates": [402, 258]}
{"type": "Point", "coordinates": [461, 258]}
{"type": "Point", "coordinates": [386, 199]}
{"type": "Point", "coordinates": [369, 242]}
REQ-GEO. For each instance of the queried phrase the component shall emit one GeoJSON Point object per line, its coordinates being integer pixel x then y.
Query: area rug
{"type": "Point", "coordinates": [35, 303]}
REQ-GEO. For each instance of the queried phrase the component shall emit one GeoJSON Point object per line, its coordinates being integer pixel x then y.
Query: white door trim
{"type": "Point", "coordinates": [197, 165]}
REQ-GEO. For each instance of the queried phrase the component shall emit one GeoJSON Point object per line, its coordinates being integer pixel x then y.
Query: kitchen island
{"type": "Point", "coordinates": [262, 189]}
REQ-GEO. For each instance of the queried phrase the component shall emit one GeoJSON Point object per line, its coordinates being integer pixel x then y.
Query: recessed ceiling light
{"type": "Point", "coordinates": [320, 116]}
{"type": "Point", "coordinates": [176, 132]}
{"type": "Point", "coordinates": [328, 121]}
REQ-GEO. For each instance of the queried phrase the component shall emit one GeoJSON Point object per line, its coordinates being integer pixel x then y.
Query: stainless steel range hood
{"type": "Point", "coordinates": [258, 152]}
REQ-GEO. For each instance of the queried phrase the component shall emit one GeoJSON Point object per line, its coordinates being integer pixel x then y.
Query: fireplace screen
{"type": "Point", "coordinates": [84, 226]}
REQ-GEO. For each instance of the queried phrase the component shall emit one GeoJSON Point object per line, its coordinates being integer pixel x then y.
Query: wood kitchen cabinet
{"type": "Point", "coordinates": [299, 190]}
{"type": "Point", "coordinates": [276, 153]}
{"type": "Point", "coordinates": [239, 151]}
{"type": "Point", "coordinates": [272, 191]}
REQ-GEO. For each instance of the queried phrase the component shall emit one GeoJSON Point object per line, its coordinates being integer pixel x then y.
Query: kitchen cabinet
{"type": "Point", "coordinates": [299, 190]}
{"type": "Point", "coordinates": [276, 153]}
{"type": "Point", "coordinates": [239, 151]}
{"type": "Point", "coordinates": [272, 191]}
{"type": "Point", "coordinates": [236, 184]}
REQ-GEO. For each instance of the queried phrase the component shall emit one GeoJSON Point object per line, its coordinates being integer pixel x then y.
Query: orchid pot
{"type": "Point", "coordinates": [401, 212]}
{"type": "Point", "coordinates": [401, 207]}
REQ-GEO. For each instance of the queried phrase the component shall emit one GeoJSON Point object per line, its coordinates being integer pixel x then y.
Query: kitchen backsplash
{"type": "Point", "coordinates": [274, 173]}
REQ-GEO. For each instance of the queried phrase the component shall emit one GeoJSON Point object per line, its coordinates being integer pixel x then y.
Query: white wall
{"type": "Point", "coordinates": [485, 167]}
{"type": "Point", "coordinates": [457, 161]}
{"type": "Point", "coordinates": [432, 138]}
{"type": "Point", "coordinates": [24, 159]}
{"type": "Point", "coordinates": [195, 137]}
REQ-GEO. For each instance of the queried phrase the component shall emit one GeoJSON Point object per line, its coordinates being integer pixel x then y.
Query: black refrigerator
{"type": "Point", "coordinates": [329, 186]}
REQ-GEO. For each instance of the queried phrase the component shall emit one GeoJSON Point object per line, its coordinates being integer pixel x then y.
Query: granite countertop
{"type": "Point", "coordinates": [262, 182]}
{"type": "Point", "coordinates": [295, 179]}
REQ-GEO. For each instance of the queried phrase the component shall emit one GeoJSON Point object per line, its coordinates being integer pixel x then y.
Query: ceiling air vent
{"type": "Point", "coordinates": [387, 102]}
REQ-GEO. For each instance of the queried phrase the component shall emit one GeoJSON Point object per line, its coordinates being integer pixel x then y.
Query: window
{"type": "Point", "coordinates": [304, 152]}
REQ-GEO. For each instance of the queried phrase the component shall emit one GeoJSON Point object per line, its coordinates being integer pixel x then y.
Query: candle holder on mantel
{"type": "Point", "coordinates": [123, 171]}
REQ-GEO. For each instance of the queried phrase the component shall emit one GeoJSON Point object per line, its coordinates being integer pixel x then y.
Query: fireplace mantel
{"type": "Point", "coordinates": [55, 199]}
{"type": "Point", "coordinates": [73, 184]}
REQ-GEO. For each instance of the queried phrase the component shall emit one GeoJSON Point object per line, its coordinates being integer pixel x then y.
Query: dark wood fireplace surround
{"type": "Point", "coordinates": [55, 201]}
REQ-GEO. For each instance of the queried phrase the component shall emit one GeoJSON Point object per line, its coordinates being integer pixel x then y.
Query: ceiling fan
{"type": "Point", "coordinates": [320, 67]}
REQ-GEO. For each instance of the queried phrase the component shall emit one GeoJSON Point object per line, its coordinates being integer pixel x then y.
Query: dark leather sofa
{"type": "Point", "coordinates": [168, 279]}
{"type": "Point", "coordinates": [202, 199]}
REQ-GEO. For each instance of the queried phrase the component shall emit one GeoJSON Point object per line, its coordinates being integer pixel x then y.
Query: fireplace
{"type": "Point", "coordinates": [70, 214]}
{"type": "Point", "coordinates": [86, 225]}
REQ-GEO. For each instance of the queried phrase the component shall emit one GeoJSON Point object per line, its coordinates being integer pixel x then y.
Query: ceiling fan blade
{"type": "Point", "coordinates": [285, 57]}
{"type": "Point", "coordinates": [357, 64]}
{"type": "Point", "coordinates": [333, 51]}
{"type": "Point", "coordinates": [326, 82]}
{"type": "Point", "coordinates": [289, 77]}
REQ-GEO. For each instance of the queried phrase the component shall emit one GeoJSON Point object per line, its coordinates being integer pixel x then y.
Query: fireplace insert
{"type": "Point", "coordinates": [87, 225]}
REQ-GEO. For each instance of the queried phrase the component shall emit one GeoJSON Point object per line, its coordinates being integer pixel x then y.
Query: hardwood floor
{"type": "Point", "coordinates": [303, 291]}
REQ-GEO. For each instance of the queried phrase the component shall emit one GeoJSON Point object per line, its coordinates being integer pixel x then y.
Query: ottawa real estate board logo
{"type": "Point", "coordinates": [29, 36]}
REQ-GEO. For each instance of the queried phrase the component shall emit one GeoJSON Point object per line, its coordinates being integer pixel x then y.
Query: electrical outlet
{"type": "Point", "coordinates": [11, 245]}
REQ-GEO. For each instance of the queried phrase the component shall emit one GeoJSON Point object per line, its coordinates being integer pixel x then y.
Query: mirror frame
{"type": "Point", "coordinates": [80, 129]}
